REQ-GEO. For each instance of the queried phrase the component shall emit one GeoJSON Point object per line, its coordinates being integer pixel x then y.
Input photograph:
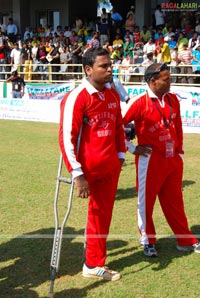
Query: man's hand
{"type": "Point", "coordinates": [142, 150]}
{"type": "Point", "coordinates": [121, 161]}
{"type": "Point", "coordinates": [82, 187]}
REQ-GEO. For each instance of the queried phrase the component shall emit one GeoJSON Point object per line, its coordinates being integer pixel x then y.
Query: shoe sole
{"type": "Point", "coordinates": [87, 275]}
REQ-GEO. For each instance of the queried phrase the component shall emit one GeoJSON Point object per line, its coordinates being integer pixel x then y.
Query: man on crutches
{"type": "Point", "coordinates": [94, 109]}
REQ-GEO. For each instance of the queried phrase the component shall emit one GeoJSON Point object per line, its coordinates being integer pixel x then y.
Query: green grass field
{"type": "Point", "coordinates": [29, 165]}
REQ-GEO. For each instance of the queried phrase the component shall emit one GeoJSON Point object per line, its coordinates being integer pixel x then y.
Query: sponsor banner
{"type": "Point", "coordinates": [189, 98]}
{"type": "Point", "coordinates": [39, 91]}
{"type": "Point", "coordinates": [52, 91]}
{"type": "Point", "coordinates": [46, 110]}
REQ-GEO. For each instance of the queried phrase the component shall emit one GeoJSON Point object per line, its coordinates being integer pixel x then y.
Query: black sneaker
{"type": "Point", "coordinates": [150, 251]}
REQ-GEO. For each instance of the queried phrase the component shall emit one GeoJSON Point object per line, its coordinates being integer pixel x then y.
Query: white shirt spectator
{"type": "Point", "coordinates": [159, 16]}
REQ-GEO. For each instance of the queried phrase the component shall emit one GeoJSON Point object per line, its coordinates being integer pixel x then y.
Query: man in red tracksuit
{"type": "Point", "coordinates": [95, 167]}
{"type": "Point", "coordinates": [159, 163]}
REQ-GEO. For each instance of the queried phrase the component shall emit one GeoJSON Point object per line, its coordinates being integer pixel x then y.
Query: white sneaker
{"type": "Point", "coordinates": [195, 248]}
{"type": "Point", "coordinates": [101, 272]}
{"type": "Point", "coordinates": [150, 250]}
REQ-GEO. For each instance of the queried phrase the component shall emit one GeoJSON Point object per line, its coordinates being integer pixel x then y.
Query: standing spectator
{"type": "Point", "coordinates": [104, 15]}
{"type": "Point", "coordinates": [131, 12]}
{"type": "Point", "coordinates": [3, 26]}
{"type": "Point", "coordinates": [164, 52]}
{"type": "Point", "coordinates": [104, 32]}
{"type": "Point", "coordinates": [185, 57]}
{"type": "Point", "coordinates": [159, 162]}
{"type": "Point", "coordinates": [130, 23]}
{"type": "Point", "coordinates": [26, 60]}
{"type": "Point", "coordinates": [76, 51]}
{"type": "Point", "coordinates": [54, 58]}
{"type": "Point", "coordinates": [2, 55]}
{"type": "Point", "coordinates": [95, 172]}
{"type": "Point", "coordinates": [15, 57]}
{"type": "Point", "coordinates": [18, 84]}
{"type": "Point", "coordinates": [116, 19]}
{"type": "Point", "coordinates": [11, 30]}
{"type": "Point", "coordinates": [174, 69]}
{"type": "Point", "coordinates": [159, 17]}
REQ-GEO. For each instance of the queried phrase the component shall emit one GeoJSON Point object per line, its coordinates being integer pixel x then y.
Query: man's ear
{"type": "Point", "coordinates": [88, 69]}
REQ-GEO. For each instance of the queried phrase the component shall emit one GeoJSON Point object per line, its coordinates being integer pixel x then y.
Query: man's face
{"type": "Point", "coordinates": [101, 72]}
{"type": "Point", "coordinates": [161, 84]}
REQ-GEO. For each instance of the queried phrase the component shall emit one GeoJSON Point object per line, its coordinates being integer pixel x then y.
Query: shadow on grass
{"type": "Point", "coordinates": [126, 193]}
{"type": "Point", "coordinates": [167, 252]}
{"type": "Point", "coordinates": [27, 263]}
{"type": "Point", "coordinates": [187, 183]}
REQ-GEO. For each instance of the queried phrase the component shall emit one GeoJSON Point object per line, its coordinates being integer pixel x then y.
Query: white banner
{"type": "Point", "coordinates": [46, 110]}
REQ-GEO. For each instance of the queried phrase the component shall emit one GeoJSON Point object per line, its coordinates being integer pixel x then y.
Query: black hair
{"type": "Point", "coordinates": [90, 55]}
{"type": "Point", "coordinates": [14, 73]}
{"type": "Point", "coordinates": [153, 71]}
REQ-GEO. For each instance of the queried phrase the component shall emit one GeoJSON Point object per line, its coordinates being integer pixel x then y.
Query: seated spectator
{"type": "Point", "coordinates": [149, 59]}
{"type": "Point", "coordinates": [126, 68]}
{"type": "Point", "coordinates": [94, 42]}
{"type": "Point", "coordinates": [138, 53]}
{"type": "Point", "coordinates": [108, 46]}
{"type": "Point", "coordinates": [136, 34]}
{"type": "Point", "coordinates": [116, 69]}
{"type": "Point", "coordinates": [145, 34]}
{"type": "Point", "coordinates": [182, 39]}
{"type": "Point", "coordinates": [149, 47]}
{"type": "Point", "coordinates": [172, 42]}
{"type": "Point", "coordinates": [169, 33]}
{"type": "Point", "coordinates": [158, 34]}
{"type": "Point", "coordinates": [128, 47]}
{"type": "Point", "coordinates": [185, 58]}
{"type": "Point", "coordinates": [193, 41]}
{"type": "Point", "coordinates": [127, 33]}
{"type": "Point", "coordinates": [196, 58]}
{"type": "Point", "coordinates": [117, 41]}
{"type": "Point", "coordinates": [116, 52]}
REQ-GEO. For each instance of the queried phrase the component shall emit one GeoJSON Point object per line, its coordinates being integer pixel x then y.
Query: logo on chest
{"type": "Point", "coordinates": [112, 105]}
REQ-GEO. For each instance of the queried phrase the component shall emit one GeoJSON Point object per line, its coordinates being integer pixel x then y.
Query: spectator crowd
{"type": "Point", "coordinates": [131, 48]}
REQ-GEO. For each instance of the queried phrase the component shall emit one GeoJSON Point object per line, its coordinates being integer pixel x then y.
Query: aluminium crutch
{"type": "Point", "coordinates": [55, 257]}
{"type": "Point", "coordinates": [56, 250]}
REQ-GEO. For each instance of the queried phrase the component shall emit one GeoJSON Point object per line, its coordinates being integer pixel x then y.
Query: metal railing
{"type": "Point", "coordinates": [128, 75]}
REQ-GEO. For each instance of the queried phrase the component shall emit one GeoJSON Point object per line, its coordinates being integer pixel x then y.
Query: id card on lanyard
{"type": "Point", "coordinates": [169, 142]}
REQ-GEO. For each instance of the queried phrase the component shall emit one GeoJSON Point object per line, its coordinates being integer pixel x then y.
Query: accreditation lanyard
{"type": "Point", "coordinates": [166, 121]}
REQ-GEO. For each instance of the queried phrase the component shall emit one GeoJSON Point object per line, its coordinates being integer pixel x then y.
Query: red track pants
{"type": "Point", "coordinates": [100, 206]}
{"type": "Point", "coordinates": [162, 177]}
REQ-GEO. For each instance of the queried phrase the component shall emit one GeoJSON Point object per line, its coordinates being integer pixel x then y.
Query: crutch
{"type": "Point", "coordinates": [56, 250]}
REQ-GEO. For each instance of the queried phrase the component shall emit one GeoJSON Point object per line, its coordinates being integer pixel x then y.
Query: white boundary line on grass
{"type": "Point", "coordinates": [79, 236]}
